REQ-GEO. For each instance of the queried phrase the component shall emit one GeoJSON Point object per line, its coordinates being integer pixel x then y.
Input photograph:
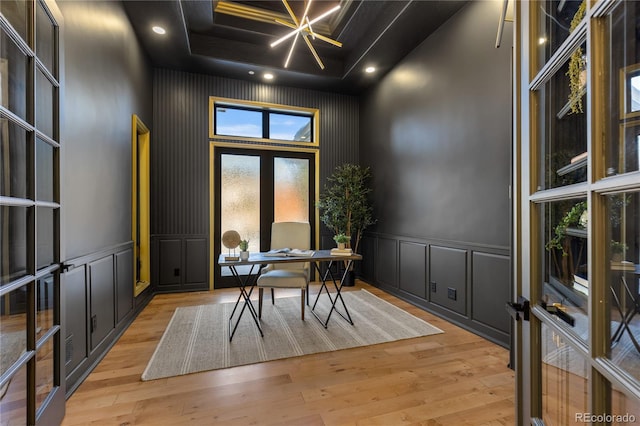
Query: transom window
{"type": "Point", "coordinates": [234, 119]}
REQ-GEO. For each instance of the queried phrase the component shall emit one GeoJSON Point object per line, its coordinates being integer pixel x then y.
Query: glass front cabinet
{"type": "Point", "coordinates": [576, 163]}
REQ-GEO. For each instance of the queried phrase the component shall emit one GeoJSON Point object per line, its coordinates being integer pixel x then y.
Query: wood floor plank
{"type": "Point", "coordinates": [454, 378]}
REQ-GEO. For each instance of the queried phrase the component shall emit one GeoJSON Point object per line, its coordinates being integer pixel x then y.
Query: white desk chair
{"type": "Point", "coordinates": [294, 235]}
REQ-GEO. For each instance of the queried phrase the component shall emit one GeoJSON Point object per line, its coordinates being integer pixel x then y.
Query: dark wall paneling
{"type": "Point", "coordinates": [448, 278]}
{"type": "Point", "coordinates": [387, 261]}
{"type": "Point", "coordinates": [101, 288]}
{"type": "Point", "coordinates": [75, 290]}
{"type": "Point", "coordinates": [182, 263]}
{"type": "Point", "coordinates": [491, 290]}
{"type": "Point", "coordinates": [413, 268]}
{"type": "Point", "coordinates": [169, 262]}
{"type": "Point", "coordinates": [196, 264]}
{"type": "Point", "coordinates": [100, 285]}
{"type": "Point", "coordinates": [366, 268]}
{"type": "Point", "coordinates": [479, 275]}
{"type": "Point", "coordinates": [124, 283]}
{"type": "Point", "coordinates": [107, 79]}
{"type": "Point", "coordinates": [436, 132]}
{"type": "Point", "coordinates": [180, 142]}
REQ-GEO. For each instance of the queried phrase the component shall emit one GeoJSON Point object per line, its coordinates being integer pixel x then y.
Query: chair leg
{"type": "Point", "coordinates": [273, 298]}
{"type": "Point", "coordinates": [302, 302]}
{"type": "Point", "coordinates": [260, 294]}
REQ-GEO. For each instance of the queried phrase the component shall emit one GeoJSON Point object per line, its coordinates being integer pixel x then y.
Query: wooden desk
{"type": "Point", "coordinates": [257, 260]}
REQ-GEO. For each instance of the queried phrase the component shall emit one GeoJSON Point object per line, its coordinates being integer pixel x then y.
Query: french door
{"type": "Point", "coordinates": [32, 387]}
{"type": "Point", "coordinates": [254, 188]}
{"type": "Point", "coordinates": [577, 153]}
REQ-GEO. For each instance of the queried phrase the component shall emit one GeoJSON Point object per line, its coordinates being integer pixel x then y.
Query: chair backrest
{"type": "Point", "coordinates": [294, 235]}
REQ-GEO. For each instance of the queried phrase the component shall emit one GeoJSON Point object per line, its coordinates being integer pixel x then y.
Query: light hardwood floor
{"type": "Point", "coordinates": [454, 378]}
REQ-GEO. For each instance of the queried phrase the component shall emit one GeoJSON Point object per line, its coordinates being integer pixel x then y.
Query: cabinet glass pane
{"type": "Point", "coordinates": [624, 280]}
{"type": "Point", "coordinates": [13, 77]}
{"type": "Point", "coordinates": [45, 357]}
{"type": "Point", "coordinates": [623, 149]}
{"type": "Point", "coordinates": [16, 12]}
{"type": "Point", "coordinates": [564, 381]}
{"type": "Point", "coordinates": [555, 19]}
{"type": "Point", "coordinates": [13, 406]}
{"type": "Point", "coordinates": [291, 189]}
{"type": "Point", "coordinates": [13, 327]}
{"type": "Point", "coordinates": [240, 197]}
{"type": "Point", "coordinates": [13, 159]}
{"type": "Point", "coordinates": [44, 171]}
{"type": "Point", "coordinates": [45, 36]}
{"type": "Point", "coordinates": [44, 225]}
{"type": "Point", "coordinates": [624, 410]}
{"type": "Point", "coordinates": [13, 243]}
{"type": "Point", "coordinates": [563, 128]}
{"type": "Point", "coordinates": [44, 104]}
{"type": "Point", "coordinates": [565, 254]}
{"type": "Point", "coordinates": [46, 294]}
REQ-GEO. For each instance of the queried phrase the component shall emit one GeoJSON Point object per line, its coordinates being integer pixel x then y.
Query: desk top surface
{"type": "Point", "coordinates": [260, 258]}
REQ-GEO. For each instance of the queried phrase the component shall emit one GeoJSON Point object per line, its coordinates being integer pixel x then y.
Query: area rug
{"type": "Point", "coordinates": [197, 337]}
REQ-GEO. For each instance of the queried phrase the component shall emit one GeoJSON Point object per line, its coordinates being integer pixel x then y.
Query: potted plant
{"type": "Point", "coordinates": [341, 240]}
{"type": "Point", "coordinates": [617, 251]}
{"type": "Point", "coordinates": [344, 205]}
{"type": "Point", "coordinates": [575, 217]}
{"type": "Point", "coordinates": [244, 250]}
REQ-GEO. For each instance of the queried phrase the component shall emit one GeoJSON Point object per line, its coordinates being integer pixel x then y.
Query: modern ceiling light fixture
{"type": "Point", "coordinates": [304, 28]}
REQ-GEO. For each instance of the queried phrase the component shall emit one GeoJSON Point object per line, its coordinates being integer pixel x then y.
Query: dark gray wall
{"type": "Point", "coordinates": [106, 80]}
{"type": "Point", "coordinates": [436, 132]}
{"type": "Point", "coordinates": [180, 159]}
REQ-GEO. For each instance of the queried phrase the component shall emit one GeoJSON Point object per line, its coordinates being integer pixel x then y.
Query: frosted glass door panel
{"type": "Point", "coordinates": [291, 189]}
{"type": "Point", "coordinates": [240, 197]}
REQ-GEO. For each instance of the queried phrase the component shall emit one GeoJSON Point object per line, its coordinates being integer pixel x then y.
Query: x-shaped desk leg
{"type": "Point", "coordinates": [625, 318]}
{"type": "Point", "coordinates": [338, 288]}
{"type": "Point", "coordinates": [249, 280]}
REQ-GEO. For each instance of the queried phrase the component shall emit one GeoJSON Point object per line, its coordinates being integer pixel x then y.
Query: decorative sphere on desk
{"type": "Point", "coordinates": [231, 239]}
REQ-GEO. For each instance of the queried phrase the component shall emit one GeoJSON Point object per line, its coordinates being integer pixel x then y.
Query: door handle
{"type": "Point", "coordinates": [558, 311]}
{"type": "Point", "coordinates": [515, 308]}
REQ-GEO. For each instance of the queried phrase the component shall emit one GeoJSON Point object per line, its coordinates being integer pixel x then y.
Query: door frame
{"type": "Point", "coordinates": [314, 219]}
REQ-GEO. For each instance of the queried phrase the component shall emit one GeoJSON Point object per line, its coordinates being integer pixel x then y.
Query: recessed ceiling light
{"type": "Point", "coordinates": [158, 30]}
{"type": "Point", "coordinates": [252, 72]}
{"type": "Point", "coordinates": [268, 76]}
{"type": "Point", "coordinates": [369, 70]}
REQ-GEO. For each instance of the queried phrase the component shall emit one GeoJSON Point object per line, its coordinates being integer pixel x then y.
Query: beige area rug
{"type": "Point", "coordinates": [197, 337]}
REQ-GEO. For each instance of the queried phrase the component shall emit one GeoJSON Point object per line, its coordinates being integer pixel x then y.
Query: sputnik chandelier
{"type": "Point", "coordinates": [303, 27]}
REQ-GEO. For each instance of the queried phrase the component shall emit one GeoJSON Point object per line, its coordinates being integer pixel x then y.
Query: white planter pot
{"type": "Point", "coordinates": [244, 255]}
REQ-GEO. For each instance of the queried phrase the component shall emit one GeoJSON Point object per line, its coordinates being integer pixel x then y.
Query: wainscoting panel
{"type": "Point", "coordinates": [448, 278]}
{"type": "Point", "coordinates": [183, 262]}
{"type": "Point", "coordinates": [491, 290]}
{"type": "Point", "coordinates": [101, 284]}
{"type": "Point", "coordinates": [99, 307]}
{"type": "Point", "coordinates": [196, 264]}
{"type": "Point", "coordinates": [413, 266]}
{"type": "Point", "coordinates": [169, 262]}
{"type": "Point", "coordinates": [467, 284]}
{"type": "Point", "coordinates": [124, 280]}
{"type": "Point", "coordinates": [75, 317]}
{"type": "Point", "coordinates": [387, 262]}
